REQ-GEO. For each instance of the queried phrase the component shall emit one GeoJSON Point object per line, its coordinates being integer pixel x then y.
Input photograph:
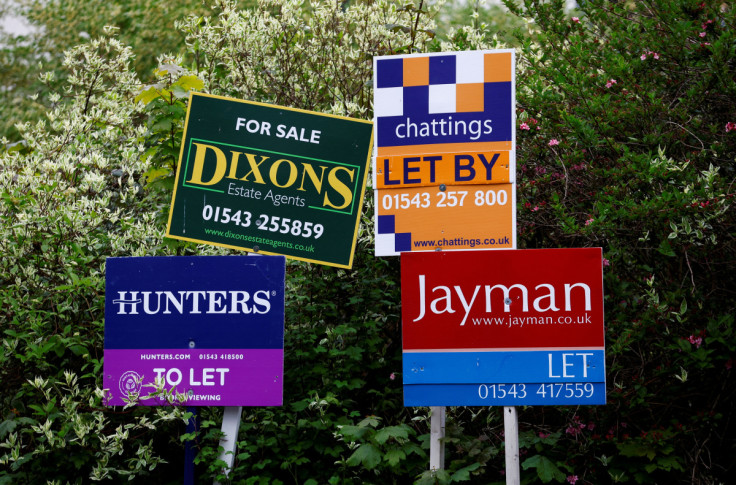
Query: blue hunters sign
{"type": "Point", "coordinates": [210, 328]}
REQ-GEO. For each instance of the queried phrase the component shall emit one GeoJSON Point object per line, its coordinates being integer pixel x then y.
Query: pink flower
{"type": "Point", "coordinates": [544, 435]}
{"type": "Point", "coordinates": [572, 479]}
{"type": "Point", "coordinates": [589, 222]}
{"type": "Point", "coordinates": [606, 262]}
{"type": "Point", "coordinates": [554, 142]}
{"type": "Point", "coordinates": [576, 20]}
{"type": "Point", "coordinates": [392, 376]}
{"type": "Point", "coordinates": [702, 34]}
{"type": "Point", "coordinates": [655, 55]}
{"type": "Point", "coordinates": [643, 57]}
{"type": "Point", "coordinates": [696, 341]}
{"type": "Point", "coordinates": [524, 126]}
{"type": "Point", "coordinates": [730, 126]}
{"type": "Point", "coordinates": [610, 83]}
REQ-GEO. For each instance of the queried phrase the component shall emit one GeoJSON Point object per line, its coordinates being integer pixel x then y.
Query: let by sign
{"type": "Point", "coordinates": [271, 179]}
{"type": "Point", "coordinates": [445, 153]}
{"type": "Point", "coordinates": [209, 328]}
{"type": "Point", "coordinates": [507, 328]}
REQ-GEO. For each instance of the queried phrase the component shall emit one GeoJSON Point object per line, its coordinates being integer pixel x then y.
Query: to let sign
{"type": "Point", "coordinates": [444, 170]}
{"type": "Point", "coordinates": [271, 179]}
{"type": "Point", "coordinates": [209, 328]}
{"type": "Point", "coordinates": [513, 327]}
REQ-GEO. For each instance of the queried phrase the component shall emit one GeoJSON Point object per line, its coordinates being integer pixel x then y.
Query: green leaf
{"type": "Point", "coordinates": [354, 433]}
{"type": "Point", "coordinates": [155, 174]}
{"type": "Point", "coordinates": [463, 474]}
{"type": "Point", "coordinates": [148, 95]}
{"type": "Point", "coordinates": [366, 455]}
{"type": "Point", "coordinates": [546, 469]}
{"type": "Point", "coordinates": [665, 248]}
{"type": "Point", "coordinates": [636, 449]}
{"type": "Point", "coordinates": [669, 463]}
{"type": "Point", "coordinates": [384, 434]}
{"type": "Point", "coordinates": [7, 427]}
{"type": "Point", "coordinates": [394, 456]}
{"type": "Point", "coordinates": [188, 83]}
{"type": "Point", "coordinates": [371, 421]}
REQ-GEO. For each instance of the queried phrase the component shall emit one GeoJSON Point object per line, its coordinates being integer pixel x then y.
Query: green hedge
{"type": "Point", "coordinates": [626, 139]}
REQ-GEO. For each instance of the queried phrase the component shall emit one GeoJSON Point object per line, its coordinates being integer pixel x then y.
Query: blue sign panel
{"type": "Point", "coordinates": [520, 394]}
{"type": "Point", "coordinates": [504, 378]}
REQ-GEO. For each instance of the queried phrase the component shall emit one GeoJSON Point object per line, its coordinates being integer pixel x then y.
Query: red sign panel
{"type": "Point", "coordinates": [502, 300]}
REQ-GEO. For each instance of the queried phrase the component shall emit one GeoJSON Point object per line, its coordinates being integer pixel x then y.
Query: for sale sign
{"type": "Point", "coordinates": [271, 179]}
{"type": "Point", "coordinates": [515, 327]}
{"type": "Point", "coordinates": [445, 155]}
{"type": "Point", "coordinates": [208, 330]}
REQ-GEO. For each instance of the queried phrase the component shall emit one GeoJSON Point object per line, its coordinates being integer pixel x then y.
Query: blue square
{"type": "Point", "coordinates": [389, 73]}
{"type": "Point", "coordinates": [402, 242]}
{"type": "Point", "coordinates": [442, 69]}
{"type": "Point", "coordinates": [386, 224]}
{"type": "Point", "coordinates": [498, 107]}
{"type": "Point", "coordinates": [416, 100]}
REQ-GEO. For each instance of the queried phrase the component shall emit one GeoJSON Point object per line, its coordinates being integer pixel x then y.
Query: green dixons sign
{"type": "Point", "coordinates": [271, 179]}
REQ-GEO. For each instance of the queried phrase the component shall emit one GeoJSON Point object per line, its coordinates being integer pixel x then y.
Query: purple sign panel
{"type": "Point", "coordinates": [207, 330]}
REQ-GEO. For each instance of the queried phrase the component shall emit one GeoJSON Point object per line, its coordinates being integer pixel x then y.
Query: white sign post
{"type": "Point", "coordinates": [437, 436]}
{"type": "Point", "coordinates": [511, 436]}
{"type": "Point", "coordinates": [229, 440]}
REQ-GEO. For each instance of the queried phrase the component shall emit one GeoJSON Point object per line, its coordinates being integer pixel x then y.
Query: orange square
{"type": "Point", "coordinates": [469, 97]}
{"type": "Point", "coordinates": [497, 67]}
{"type": "Point", "coordinates": [416, 71]}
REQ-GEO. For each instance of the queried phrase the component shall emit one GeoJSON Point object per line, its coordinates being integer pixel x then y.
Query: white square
{"type": "Point", "coordinates": [386, 245]}
{"type": "Point", "coordinates": [469, 67]}
{"type": "Point", "coordinates": [388, 102]}
{"type": "Point", "coordinates": [442, 98]}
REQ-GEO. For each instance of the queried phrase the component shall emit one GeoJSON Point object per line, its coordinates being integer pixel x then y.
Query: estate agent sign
{"type": "Point", "coordinates": [512, 327]}
{"type": "Point", "coordinates": [208, 327]}
{"type": "Point", "coordinates": [445, 154]}
{"type": "Point", "coordinates": [271, 179]}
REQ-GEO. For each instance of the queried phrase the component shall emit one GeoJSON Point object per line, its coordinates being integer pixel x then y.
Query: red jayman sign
{"type": "Point", "coordinates": [510, 327]}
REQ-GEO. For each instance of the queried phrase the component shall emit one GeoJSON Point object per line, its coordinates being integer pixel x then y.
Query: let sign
{"type": "Point", "coordinates": [210, 328]}
{"type": "Point", "coordinates": [503, 328]}
{"type": "Point", "coordinates": [271, 179]}
{"type": "Point", "coordinates": [445, 157]}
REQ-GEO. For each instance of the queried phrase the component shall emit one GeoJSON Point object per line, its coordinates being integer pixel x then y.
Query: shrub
{"type": "Point", "coordinates": [626, 139]}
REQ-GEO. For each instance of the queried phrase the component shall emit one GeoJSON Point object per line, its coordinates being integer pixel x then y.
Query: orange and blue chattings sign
{"type": "Point", "coordinates": [444, 158]}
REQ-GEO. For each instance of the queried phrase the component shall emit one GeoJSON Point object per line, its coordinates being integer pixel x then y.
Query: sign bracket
{"type": "Point", "coordinates": [229, 441]}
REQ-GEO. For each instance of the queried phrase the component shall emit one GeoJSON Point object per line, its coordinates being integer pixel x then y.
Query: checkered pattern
{"type": "Point", "coordinates": [387, 239]}
{"type": "Point", "coordinates": [447, 83]}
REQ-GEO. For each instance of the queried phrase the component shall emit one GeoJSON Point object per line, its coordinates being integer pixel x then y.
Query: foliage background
{"type": "Point", "coordinates": [626, 139]}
